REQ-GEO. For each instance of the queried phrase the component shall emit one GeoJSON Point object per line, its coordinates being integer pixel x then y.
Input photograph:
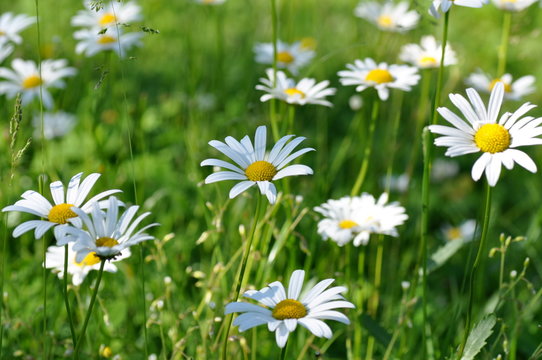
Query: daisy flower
{"type": "Point", "coordinates": [254, 165]}
{"type": "Point", "coordinates": [64, 204]}
{"type": "Point", "coordinates": [463, 232]}
{"type": "Point", "coordinates": [289, 56]}
{"type": "Point", "coordinates": [427, 54]}
{"type": "Point", "coordinates": [92, 41]}
{"type": "Point", "coordinates": [106, 234]}
{"type": "Point", "coordinates": [282, 311]}
{"type": "Point", "coordinates": [25, 78]}
{"type": "Point", "coordinates": [481, 132]}
{"type": "Point", "coordinates": [5, 49]}
{"type": "Point", "coordinates": [513, 5]}
{"type": "Point", "coordinates": [306, 91]}
{"type": "Point", "coordinates": [55, 124]}
{"type": "Point", "coordinates": [445, 5]}
{"type": "Point", "coordinates": [11, 25]}
{"type": "Point", "coordinates": [78, 270]}
{"type": "Point", "coordinates": [367, 73]}
{"type": "Point", "coordinates": [388, 16]}
{"type": "Point", "coordinates": [111, 14]}
{"type": "Point", "coordinates": [513, 90]}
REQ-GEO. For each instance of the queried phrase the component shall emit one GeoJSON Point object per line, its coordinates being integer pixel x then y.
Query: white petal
{"type": "Point", "coordinates": [224, 175]}
{"type": "Point", "coordinates": [522, 159]}
{"type": "Point", "coordinates": [296, 284]}
{"type": "Point", "coordinates": [240, 187]}
{"type": "Point", "coordinates": [281, 335]}
{"type": "Point", "coordinates": [293, 170]}
{"type": "Point", "coordinates": [479, 166]}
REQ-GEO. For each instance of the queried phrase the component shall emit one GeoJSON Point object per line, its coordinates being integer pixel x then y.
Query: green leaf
{"type": "Point", "coordinates": [478, 336]}
{"type": "Point", "coordinates": [377, 331]}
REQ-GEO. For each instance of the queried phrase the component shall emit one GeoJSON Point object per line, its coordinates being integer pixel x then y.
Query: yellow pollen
{"type": "Point", "coordinates": [308, 43]}
{"type": "Point", "coordinates": [294, 92]}
{"type": "Point", "coordinates": [454, 233]}
{"type": "Point", "coordinates": [379, 76]}
{"type": "Point", "coordinates": [260, 171]}
{"type": "Point", "coordinates": [106, 241]}
{"type": "Point", "coordinates": [89, 260]}
{"type": "Point", "coordinates": [107, 19]}
{"type": "Point", "coordinates": [492, 138]}
{"type": "Point", "coordinates": [285, 57]}
{"type": "Point", "coordinates": [507, 87]}
{"type": "Point", "coordinates": [428, 61]}
{"type": "Point", "coordinates": [32, 81]}
{"type": "Point", "coordinates": [385, 21]}
{"type": "Point", "coordinates": [61, 213]}
{"type": "Point", "coordinates": [289, 309]}
{"type": "Point", "coordinates": [106, 39]}
{"type": "Point", "coordinates": [347, 224]}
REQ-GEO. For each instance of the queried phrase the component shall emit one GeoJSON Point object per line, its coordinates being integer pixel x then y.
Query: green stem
{"type": "Point", "coordinates": [503, 48]}
{"type": "Point", "coordinates": [89, 312]}
{"type": "Point", "coordinates": [273, 103]}
{"type": "Point", "coordinates": [368, 147]}
{"type": "Point", "coordinates": [359, 306]}
{"type": "Point", "coordinates": [393, 140]}
{"type": "Point", "coordinates": [66, 300]}
{"type": "Point", "coordinates": [474, 269]}
{"type": "Point", "coordinates": [283, 352]}
{"type": "Point", "coordinates": [375, 299]}
{"type": "Point", "coordinates": [441, 67]}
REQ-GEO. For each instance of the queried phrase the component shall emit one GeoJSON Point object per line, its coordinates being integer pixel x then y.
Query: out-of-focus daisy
{"type": "Point", "coordinates": [62, 211]}
{"type": "Point", "coordinates": [388, 16]}
{"type": "Point", "coordinates": [289, 56]}
{"type": "Point", "coordinates": [427, 54]}
{"type": "Point", "coordinates": [463, 232]}
{"type": "Point", "coordinates": [110, 14]}
{"type": "Point", "coordinates": [306, 91]}
{"type": "Point", "coordinates": [282, 311]}
{"type": "Point", "coordinates": [445, 5]}
{"type": "Point", "coordinates": [92, 42]}
{"type": "Point", "coordinates": [106, 234]}
{"type": "Point", "coordinates": [513, 90]}
{"type": "Point", "coordinates": [480, 131]}
{"type": "Point", "coordinates": [78, 270]}
{"type": "Point", "coordinates": [398, 183]}
{"type": "Point", "coordinates": [356, 218]}
{"type": "Point", "coordinates": [11, 25]}
{"type": "Point", "coordinates": [25, 78]}
{"type": "Point", "coordinates": [444, 169]}
{"type": "Point", "coordinates": [55, 124]}
{"type": "Point", "coordinates": [513, 5]}
{"type": "Point", "coordinates": [5, 49]}
{"type": "Point", "coordinates": [210, 2]}
{"type": "Point", "coordinates": [367, 73]}
{"type": "Point", "coordinates": [254, 165]}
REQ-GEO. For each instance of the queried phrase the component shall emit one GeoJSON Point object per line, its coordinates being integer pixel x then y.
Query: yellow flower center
{"type": "Point", "coordinates": [492, 138]}
{"type": "Point", "coordinates": [32, 81]}
{"type": "Point", "coordinates": [107, 19]}
{"type": "Point", "coordinates": [308, 43]}
{"type": "Point", "coordinates": [260, 171]}
{"type": "Point", "coordinates": [106, 39]}
{"type": "Point", "coordinates": [289, 309]}
{"type": "Point", "coordinates": [384, 21]}
{"type": "Point", "coordinates": [294, 91]}
{"type": "Point", "coordinates": [2, 33]}
{"type": "Point", "coordinates": [347, 224]}
{"type": "Point", "coordinates": [379, 76]}
{"type": "Point", "coordinates": [428, 61]}
{"type": "Point", "coordinates": [106, 352]}
{"type": "Point", "coordinates": [454, 233]}
{"type": "Point", "coordinates": [89, 260]}
{"type": "Point", "coordinates": [61, 213]}
{"type": "Point", "coordinates": [507, 87]}
{"type": "Point", "coordinates": [106, 241]}
{"type": "Point", "coordinates": [285, 57]}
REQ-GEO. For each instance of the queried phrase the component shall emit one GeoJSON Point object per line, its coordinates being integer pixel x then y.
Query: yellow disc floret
{"type": "Point", "coordinates": [106, 39]}
{"type": "Point", "coordinates": [454, 233]}
{"type": "Point", "coordinates": [294, 92]}
{"type": "Point", "coordinates": [32, 81]}
{"type": "Point", "coordinates": [492, 138]}
{"type": "Point", "coordinates": [89, 260]}
{"type": "Point", "coordinates": [260, 171]}
{"type": "Point", "coordinates": [347, 224]}
{"type": "Point", "coordinates": [379, 76]}
{"type": "Point", "coordinates": [106, 241]}
{"type": "Point", "coordinates": [289, 309]}
{"type": "Point", "coordinates": [507, 87]}
{"type": "Point", "coordinates": [285, 57]}
{"type": "Point", "coordinates": [107, 19]}
{"type": "Point", "coordinates": [385, 21]}
{"type": "Point", "coordinates": [428, 61]}
{"type": "Point", "coordinates": [61, 213]}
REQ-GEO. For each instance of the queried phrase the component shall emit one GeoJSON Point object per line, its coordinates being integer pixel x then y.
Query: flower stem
{"type": "Point", "coordinates": [273, 103]}
{"type": "Point", "coordinates": [66, 300]}
{"type": "Point", "coordinates": [283, 352]}
{"type": "Point", "coordinates": [393, 139]}
{"type": "Point", "coordinates": [441, 67]}
{"type": "Point", "coordinates": [89, 312]}
{"type": "Point", "coordinates": [375, 299]}
{"type": "Point", "coordinates": [503, 48]}
{"type": "Point", "coordinates": [475, 265]}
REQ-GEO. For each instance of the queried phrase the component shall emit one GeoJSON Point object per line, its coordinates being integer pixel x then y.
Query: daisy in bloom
{"type": "Point", "coordinates": [62, 211]}
{"type": "Point", "coordinates": [427, 54]}
{"type": "Point", "coordinates": [306, 91]}
{"type": "Point", "coordinates": [463, 232]}
{"type": "Point", "coordinates": [367, 73]}
{"type": "Point", "coordinates": [445, 5]}
{"type": "Point", "coordinates": [11, 25]}
{"type": "Point", "coordinates": [92, 41]}
{"type": "Point", "coordinates": [513, 90]}
{"type": "Point", "coordinates": [54, 124]}
{"type": "Point", "coordinates": [106, 234]}
{"type": "Point", "coordinates": [25, 78]}
{"type": "Point", "coordinates": [282, 311]}
{"type": "Point", "coordinates": [254, 165]}
{"type": "Point", "coordinates": [388, 16]}
{"type": "Point", "coordinates": [482, 132]}
{"type": "Point", "coordinates": [78, 270]}
{"type": "Point", "coordinates": [356, 218]}
{"type": "Point", "coordinates": [110, 14]}
{"type": "Point", "coordinates": [290, 56]}
{"type": "Point", "coordinates": [513, 5]}
{"type": "Point", "coordinates": [5, 49]}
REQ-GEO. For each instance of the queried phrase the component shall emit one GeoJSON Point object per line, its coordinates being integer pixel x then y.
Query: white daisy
{"type": "Point", "coordinates": [5, 49]}
{"type": "Point", "coordinates": [443, 169]}
{"type": "Point", "coordinates": [25, 78]}
{"type": "Point", "coordinates": [463, 232]}
{"type": "Point", "coordinates": [306, 91]}
{"type": "Point", "coordinates": [64, 204]}
{"type": "Point", "coordinates": [481, 131]}
{"type": "Point", "coordinates": [445, 5]}
{"type": "Point", "coordinates": [388, 16]}
{"type": "Point", "coordinates": [78, 270]}
{"type": "Point", "coordinates": [367, 73]}
{"type": "Point", "coordinates": [109, 15]}
{"type": "Point", "coordinates": [11, 25]}
{"type": "Point", "coordinates": [513, 90]}
{"type": "Point", "coordinates": [513, 5]}
{"type": "Point", "coordinates": [427, 54]}
{"type": "Point", "coordinates": [290, 56]}
{"type": "Point", "coordinates": [255, 166]}
{"type": "Point", "coordinates": [106, 234]}
{"type": "Point", "coordinates": [92, 41]}
{"type": "Point", "coordinates": [55, 124]}
{"type": "Point", "coordinates": [282, 311]}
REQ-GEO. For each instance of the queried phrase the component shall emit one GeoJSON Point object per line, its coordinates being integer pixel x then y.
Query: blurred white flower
{"type": "Point", "coordinates": [444, 169]}
{"type": "Point", "coordinates": [398, 183]}
{"type": "Point", "coordinates": [388, 16]}
{"type": "Point", "coordinates": [463, 232]}
{"type": "Point", "coordinates": [355, 102]}
{"type": "Point", "coordinates": [445, 5]}
{"type": "Point", "coordinates": [513, 90]}
{"type": "Point", "coordinates": [11, 25]}
{"type": "Point", "coordinates": [55, 124]}
{"type": "Point", "coordinates": [427, 54]}
{"type": "Point", "coordinates": [513, 5]}
{"type": "Point", "coordinates": [5, 49]}
{"type": "Point", "coordinates": [92, 41]}
{"type": "Point", "coordinates": [289, 56]}
{"type": "Point", "coordinates": [111, 14]}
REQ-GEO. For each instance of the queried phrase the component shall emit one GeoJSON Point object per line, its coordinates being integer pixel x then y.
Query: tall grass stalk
{"type": "Point", "coordinates": [66, 300]}
{"type": "Point", "coordinates": [274, 37]}
{"type": "Point", "coordinates": [503, 48]}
